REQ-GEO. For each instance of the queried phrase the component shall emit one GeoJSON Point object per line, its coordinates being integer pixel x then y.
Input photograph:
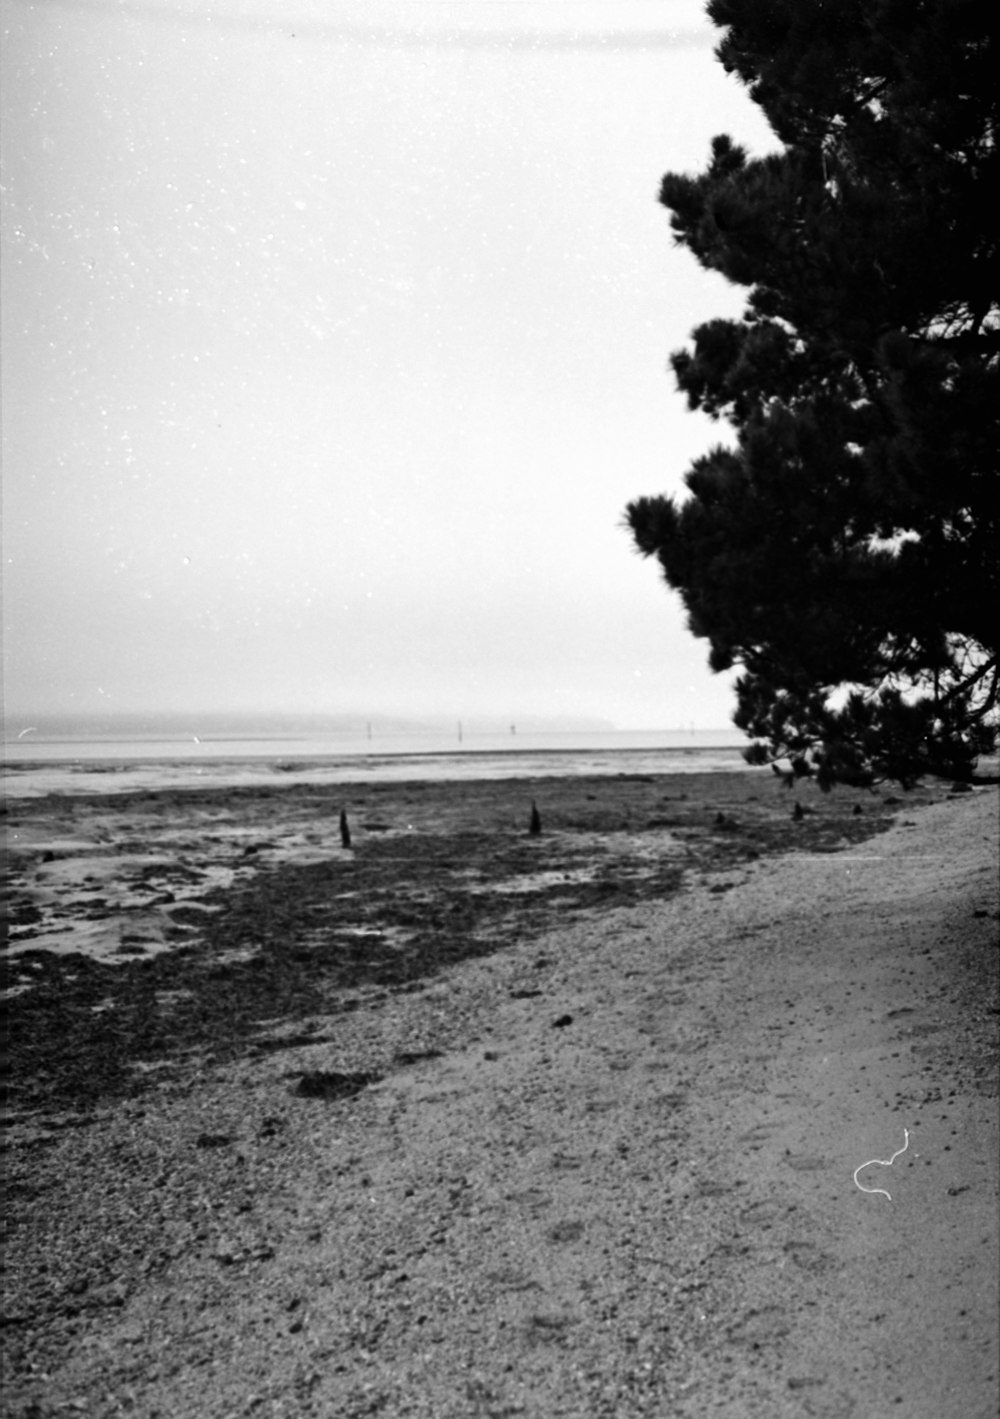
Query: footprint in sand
{"type": "Point", "coordinates": [807, 1163]}
{"type": "Point", "coordinates": [757, 1136]}
{"type": "Point", "coordinates": [759, 1213]}
{"type": "Point", "coordinates": [760, 1327]}
{"type": "Point", "coordinates": [808, 1257]}
{"type": "Point", "coordinates": [566, 1232]}
{"type": "Point", "coordinates": [711, 1189]}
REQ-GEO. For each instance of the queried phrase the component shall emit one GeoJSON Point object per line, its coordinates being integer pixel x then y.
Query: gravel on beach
{"type": "Point", "coordinates": [465, 1120]}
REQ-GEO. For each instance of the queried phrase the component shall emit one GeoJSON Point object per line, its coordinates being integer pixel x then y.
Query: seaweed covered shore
{"type": "Point", "coordinates": [154, 932]}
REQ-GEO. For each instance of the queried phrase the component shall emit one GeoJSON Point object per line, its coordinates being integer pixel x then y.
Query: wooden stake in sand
{"type": "Point", "coordinates": [535, 826]}
{"type": "Point", "coordinates": [345, 832]}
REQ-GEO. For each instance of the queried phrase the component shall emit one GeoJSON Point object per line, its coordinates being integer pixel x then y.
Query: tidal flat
{"type": "Point", "coordinates": [150, 929]}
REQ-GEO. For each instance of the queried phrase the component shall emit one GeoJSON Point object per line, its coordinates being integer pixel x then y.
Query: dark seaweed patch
{"type": "Point", "coordinates": [328, 1084]}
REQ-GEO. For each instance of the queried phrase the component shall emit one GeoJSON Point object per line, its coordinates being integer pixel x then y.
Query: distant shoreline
{"type": "Point", "coordinates": [354, 740]}
{"type": "Point", "coordinates": [95, 770]}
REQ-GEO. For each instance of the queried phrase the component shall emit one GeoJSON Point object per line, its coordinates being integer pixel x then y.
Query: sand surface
{"type": "Point", "coordinates": [455, 1122]}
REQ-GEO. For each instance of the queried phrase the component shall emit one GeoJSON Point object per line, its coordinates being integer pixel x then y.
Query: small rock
{"type": "Point", "coordinates": [562, 1022]}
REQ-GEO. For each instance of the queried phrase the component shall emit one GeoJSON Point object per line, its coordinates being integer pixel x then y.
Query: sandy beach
{"type": "Point", "coordinates": [459, 1121]}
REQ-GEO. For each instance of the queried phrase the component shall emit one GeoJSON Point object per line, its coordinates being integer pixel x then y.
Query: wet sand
{"type": "Point", "coordinates": [460, 1121]}
{"type": "Point", "coordinates": [147, 928]}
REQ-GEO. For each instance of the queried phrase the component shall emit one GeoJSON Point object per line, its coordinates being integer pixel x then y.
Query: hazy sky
{"type": "Point", "coordinates": [335, 342]}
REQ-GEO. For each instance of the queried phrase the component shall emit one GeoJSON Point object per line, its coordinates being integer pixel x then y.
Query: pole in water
{"type": "Point", "coordinates": [535, 826]}
{"type": "Point", "coordinates": [345, 832]}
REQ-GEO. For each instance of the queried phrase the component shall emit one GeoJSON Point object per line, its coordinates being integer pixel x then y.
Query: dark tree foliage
{"type": "Point", "coordinates": [844, 551]}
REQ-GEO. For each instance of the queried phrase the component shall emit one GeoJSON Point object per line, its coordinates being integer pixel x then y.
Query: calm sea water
{"type": "Point", "coordinates": [36, 765]}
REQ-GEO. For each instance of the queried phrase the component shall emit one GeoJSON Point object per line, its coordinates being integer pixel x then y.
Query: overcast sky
{"type": "Point", "coordinates": [335, 343]}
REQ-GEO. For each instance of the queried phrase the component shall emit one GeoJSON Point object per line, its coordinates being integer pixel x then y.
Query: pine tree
{"type": "Point", "coordinates": [843, 551]}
